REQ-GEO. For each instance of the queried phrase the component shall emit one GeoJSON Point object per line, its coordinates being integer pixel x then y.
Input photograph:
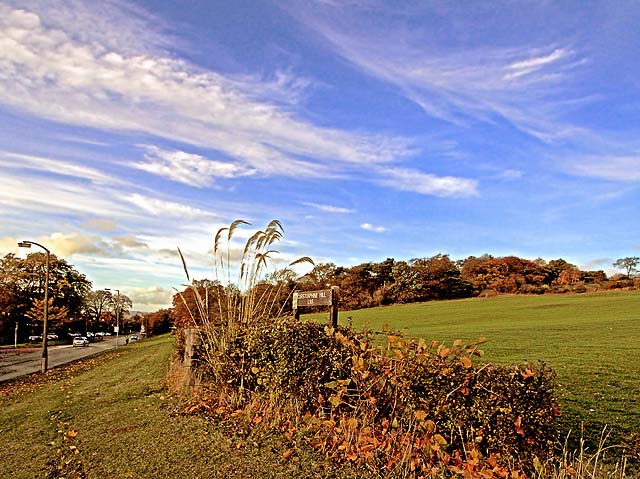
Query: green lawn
{"type": "Point", "coordinates": [591, 340]}
{"type": "Point", "coordinates": [115, 420]}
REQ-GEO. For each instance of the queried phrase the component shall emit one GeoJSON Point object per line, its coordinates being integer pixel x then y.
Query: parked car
{"type": "Point", "coordinates": [33, 339]}
{"type": "Point", "coordinates": [134, 337]}
{"type": "Point", "coordinates": [52, 336]}
{"type": "Point", "coordinates": [80, 341]}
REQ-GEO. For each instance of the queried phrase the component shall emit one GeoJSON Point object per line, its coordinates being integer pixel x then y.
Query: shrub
{"type": "Point", "coordinates": [422, 405]}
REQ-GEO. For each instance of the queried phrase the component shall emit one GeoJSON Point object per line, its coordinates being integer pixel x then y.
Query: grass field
{"type": "Point", "coordinates": [113, 419]}
{"type": "Point", "coordinates": [591, 340]}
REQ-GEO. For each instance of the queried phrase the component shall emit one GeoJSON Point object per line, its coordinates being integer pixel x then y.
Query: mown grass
{"type": "Point", "coordinates": [591, 340]}
{"type": "Point", "coordinates": [116, 420]}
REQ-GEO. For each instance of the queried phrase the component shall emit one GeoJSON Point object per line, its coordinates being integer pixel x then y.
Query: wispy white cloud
{"type": "Point", "coordinates": [44, 196]}
{"type": "Point", "coordinates": [188, 168]}
{"type": "Point", "coordinates": [520, 84]}
{"type": "Point", "coordinates": [406, 179]}
{"type": "Point", "coordinates": [163, 208]}
{"type": "Point", "coordinates": [48, 71]}
{"type": "Point", "coordinates": [525, 67]}
{"type": "Point", "coordinates": [607, 167]}
{"type": "Point", "coordinates": [329, 208]}
{"type": "Point", "coordinates": [375, 229]}
{"type": "Point", "coordinates": [51, 69]}
{"type": "Point", "coordinates": [53, 167]}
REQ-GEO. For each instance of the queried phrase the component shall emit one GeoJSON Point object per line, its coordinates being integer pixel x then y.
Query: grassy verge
{"type": "Point", "coordinates": [591, 340]}
{"type": "Point", "coordinates": [114, 419]}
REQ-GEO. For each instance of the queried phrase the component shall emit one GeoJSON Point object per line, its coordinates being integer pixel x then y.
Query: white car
{"type": "Point", "coordinates": [80, 341]}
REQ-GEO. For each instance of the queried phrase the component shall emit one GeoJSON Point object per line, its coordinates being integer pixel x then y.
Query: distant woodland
{"type": "Point", "coordinates": [420, 279]}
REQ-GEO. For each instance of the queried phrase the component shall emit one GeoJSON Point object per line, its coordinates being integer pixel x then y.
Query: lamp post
{"type": "Point", "coordinates": [45, 355]}
{"type": "Point", "coordinates": [117, 313]}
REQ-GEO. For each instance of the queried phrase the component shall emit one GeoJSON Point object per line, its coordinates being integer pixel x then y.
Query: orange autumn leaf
{"type": "Point", "coordinates": [466, 362]}
{"type": "Point", "coordinates": [518, 425]}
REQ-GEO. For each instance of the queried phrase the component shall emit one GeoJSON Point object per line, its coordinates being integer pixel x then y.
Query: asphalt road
{"type": "Point", "coordinates": [15, 363]}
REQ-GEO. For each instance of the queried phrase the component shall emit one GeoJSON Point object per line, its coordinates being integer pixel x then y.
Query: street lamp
{"type": "Point", "coordinates": [45, 355]}
{"type": "Point", "coordinates": [117, 313]}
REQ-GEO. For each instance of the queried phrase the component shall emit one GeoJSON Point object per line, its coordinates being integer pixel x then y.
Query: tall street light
{"type": "Point", "coordinates": [45, 355]}
{"type": "Point", "coordinates": [117, 313]}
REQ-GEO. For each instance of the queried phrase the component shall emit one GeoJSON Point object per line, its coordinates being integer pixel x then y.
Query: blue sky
{"type": "Point", "coordinates": [370, 129]}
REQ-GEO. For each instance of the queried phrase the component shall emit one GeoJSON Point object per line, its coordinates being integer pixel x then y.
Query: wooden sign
{"type": "Point", "coordinates": [312, 298]}
{"type": "Point", "coordinates": [321, 297]}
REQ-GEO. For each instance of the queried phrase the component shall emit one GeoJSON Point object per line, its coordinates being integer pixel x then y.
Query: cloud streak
{"type": "Point", "coordinates": [187, 168]}
{"type": "Point", "coordinates": [415, 181]}
{"type": "Point", "coordinates": [519, 85]}
{"type": "Point", "coordinates": [61, 75]}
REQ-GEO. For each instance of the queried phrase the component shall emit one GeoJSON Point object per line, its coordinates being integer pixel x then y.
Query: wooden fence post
{"type": "Point", "coordinates": [191, 342]}
{"type": "Point", "coordinates": [333, 315]}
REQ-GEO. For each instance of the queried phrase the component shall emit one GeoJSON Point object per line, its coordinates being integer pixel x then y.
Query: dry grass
{"type": "Point", "coordinates": [240, 304]}
{"type": "Point", "coordinates": [605, 462]}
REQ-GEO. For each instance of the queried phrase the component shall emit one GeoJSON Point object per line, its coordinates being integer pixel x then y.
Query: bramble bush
{"type": "Point", "coordinates": [405, 407]}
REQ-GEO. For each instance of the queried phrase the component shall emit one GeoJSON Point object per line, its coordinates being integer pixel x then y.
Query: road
{"type": "Point", "coordinates": [15, 363]}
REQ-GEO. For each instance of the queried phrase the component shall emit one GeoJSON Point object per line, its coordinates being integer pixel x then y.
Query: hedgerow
{"type": "Point", "coordinates": [405, 406]}
{"type": "Point", "coordinates": [396, 407]}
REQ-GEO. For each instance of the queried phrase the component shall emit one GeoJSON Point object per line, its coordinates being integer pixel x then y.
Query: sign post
{"type": "Point", "coordinates": [322, 297]}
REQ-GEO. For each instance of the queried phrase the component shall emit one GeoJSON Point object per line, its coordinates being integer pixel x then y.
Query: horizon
{"type": "Point", "coordinates": [129, 129]}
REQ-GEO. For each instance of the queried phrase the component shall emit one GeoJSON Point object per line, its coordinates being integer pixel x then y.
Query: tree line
{"type": "Point", "coordinates": [420, 279]}
{"type": "Point", "coordinates": [73, 306]}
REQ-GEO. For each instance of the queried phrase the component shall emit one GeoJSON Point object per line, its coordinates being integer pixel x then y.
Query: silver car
{"type": "Point", "coordinates": [80, 341]}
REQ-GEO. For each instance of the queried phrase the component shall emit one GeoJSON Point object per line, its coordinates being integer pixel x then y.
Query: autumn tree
{"type": "Point", "coordinates": [508, 274]}
{"type": "Point", "coordinates": [438, 277]}
{"type": "Point", "coordinates": [358, 285]}
{"type": "Point", "coordinates": [120, 304]}
{"type": "Point", "coordinates": [214, 300]}
{"type": "Point", "coordinates": [22, 283]}
{"type": "Point", "coordinates": [56, 315]}
{"type": "Point", "coordinates": [322, 276]}
{"type": "Point", "coordinates": [629, 264]}
{"type": "Point", "coordinates": [96, 303]}
{"type": "Point", "coordinates": [159, 322]}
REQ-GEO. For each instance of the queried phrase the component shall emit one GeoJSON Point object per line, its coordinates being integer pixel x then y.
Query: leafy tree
{"type": "Point", "coordinates": [561, 272]}
{"type": "Point", "coordinates": [321, 276]}
{"type": "Point", "coordinates": [159, 322]}
{"type": "Point", "coordinates": [56, 315]}
{"type": "Point", "coordinates": [22, 284]}
{"type": "Point", "coordinates": [358, 285]}
{"type": "Point", "coordinates": [120, 305]}
{"type": "Point", "coordinates": [439, 278]}
{"type": "Point", "coordinates": [630, 264]}
{"type": "Point", "coordinates": [509, 274]}
{"type": "Point", "coordinates": [214, 297]}
{"type": "Point", "coordinates": [96, 303]}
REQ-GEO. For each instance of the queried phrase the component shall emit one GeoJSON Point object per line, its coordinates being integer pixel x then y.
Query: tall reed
{"type": "Point", "coordinates": [239, 303]}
